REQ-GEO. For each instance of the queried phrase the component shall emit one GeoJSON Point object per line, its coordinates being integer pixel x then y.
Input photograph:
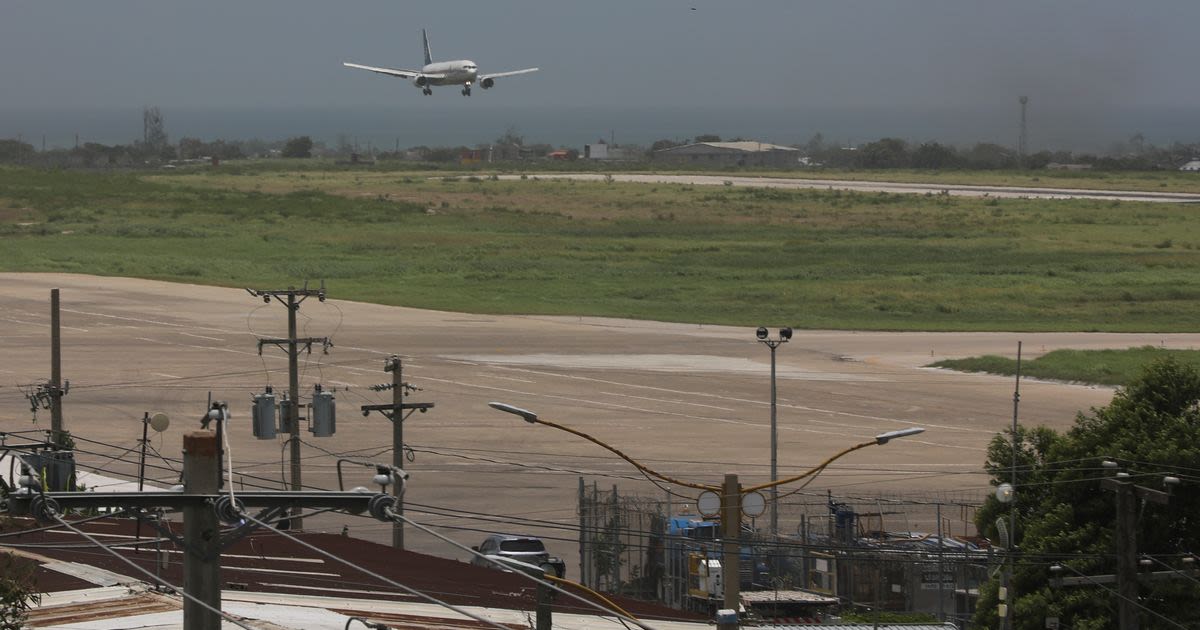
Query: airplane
{"type": "Point", "coordinates": [462, 72]}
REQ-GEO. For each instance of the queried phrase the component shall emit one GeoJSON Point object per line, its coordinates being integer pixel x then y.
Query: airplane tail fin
{"type": "Point", "coordinates": [425, 40]}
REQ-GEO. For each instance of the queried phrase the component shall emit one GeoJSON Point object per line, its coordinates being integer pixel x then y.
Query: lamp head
{"type": "Point", "coordinates": [761, 333]}
{"type": "Point", "coordinates": [525, 414]}
{"type": "Point", "coordinates": [785, 333]}
{"type": "Point", "coordinates": [884, 438]}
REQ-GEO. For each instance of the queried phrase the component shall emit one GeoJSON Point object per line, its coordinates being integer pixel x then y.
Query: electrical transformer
{"type": "Point", "coordinates": [324, 413]}
{"type": "Point", "coordinates": [264, 415]}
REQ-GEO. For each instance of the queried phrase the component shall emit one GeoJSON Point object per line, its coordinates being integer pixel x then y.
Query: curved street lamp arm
{"type": "Point", "coordinates": [811, 471]}
{"type": "Point", "coordinates": [644, 469]}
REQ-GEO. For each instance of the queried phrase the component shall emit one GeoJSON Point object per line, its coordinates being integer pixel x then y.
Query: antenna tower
{"type": "Point", "coordinates": [1022, 141]}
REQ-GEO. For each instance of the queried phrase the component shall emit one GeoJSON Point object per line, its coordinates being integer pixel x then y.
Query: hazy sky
{"type": "Point", "coordinates": [627, 53]}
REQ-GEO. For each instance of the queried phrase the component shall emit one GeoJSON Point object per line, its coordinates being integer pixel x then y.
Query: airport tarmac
{"type": "Point", "coordinates": [958, 190]}
{"type": "Point", "coordinates": [688, 400]}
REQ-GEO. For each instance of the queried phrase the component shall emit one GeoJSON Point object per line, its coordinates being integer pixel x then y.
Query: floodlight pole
{"type": "Point", "coordinates": [784, 335]}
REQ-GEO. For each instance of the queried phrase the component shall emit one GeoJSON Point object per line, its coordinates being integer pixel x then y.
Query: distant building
{"type": "Point", "coordinates": [730, 154]}
{"type": "Point", "coordinates": [1193, 166]}
{"type": "Point", "coordinates": [603, 151]}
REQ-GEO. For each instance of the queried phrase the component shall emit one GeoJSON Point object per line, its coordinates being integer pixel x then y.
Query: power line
{"type": "Point", "coordinates": [407, 589]}
{"type": "Point", "coordinates": [161, 581]}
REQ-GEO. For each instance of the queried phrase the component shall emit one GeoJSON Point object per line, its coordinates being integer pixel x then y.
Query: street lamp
{"type": "Point", "coordinates": [764, 337]}
{"type": "Point", "coordinates": [731, 493]}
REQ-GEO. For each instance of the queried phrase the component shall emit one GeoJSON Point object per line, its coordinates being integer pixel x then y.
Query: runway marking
{"type": "Point", "coordinates": [209, 348]}
{"type": "Point", "coordinates": [202, 336]}
{"type": "Point", "coordinates": [506, 378]}
{"type": "Point", "coordinates": [674, 402]}
{"type": "Point", "coordinates": [677, 414]}
{"type": "Point", "coordinates": [152, 321]}
{"type": "Point", "coordinates": [165, 375]}
{"type": "Point", "coordinates": [747, 401]}
{"type": "Point", "coordinates": [342, 383]}
{"type": "Point", "coordinates": [41, 324]}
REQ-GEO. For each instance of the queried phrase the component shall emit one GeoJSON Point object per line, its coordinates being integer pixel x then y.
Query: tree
{"type": "Point", "coordinates": [300, 147]}
{"type": "Point", "coordinates": [15, 151]}
{"type": "Point", "coordinates": [1151, 427]}
{"type": "Point", "coordinates": [17, 591]}
{"type": "Point", "coordinates": [989, 155]}
{"type": "Point", "coordinates": [511, 137]}
{"type": "Point", "coordinates": [707, 137]}
{"type": "Point", "coordinates": [883, 153]}
{"type": "Point", "coordinates": [659, 145]}
{"type": "Point", "coordinates": [934, 155]}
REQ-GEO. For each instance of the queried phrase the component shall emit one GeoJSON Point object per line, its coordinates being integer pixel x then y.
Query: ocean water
{"type": "Point", "coordinates": [469, 123]}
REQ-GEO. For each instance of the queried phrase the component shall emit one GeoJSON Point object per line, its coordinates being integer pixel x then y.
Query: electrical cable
{"type": "Point", "coordinates": [407, 589]}
{"type": "Point", "coordinates": [1119, 595]}
{"type": "Point", "coordinates": [161, 581]}
{"type": "Point", "coordinates": [620, 614]}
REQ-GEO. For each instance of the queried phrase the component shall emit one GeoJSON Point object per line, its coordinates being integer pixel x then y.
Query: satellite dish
{"type": "Point", "coordinates": [708, 504]}
{"type": "Point", "coordinates": [754, 504]}
{"type": "Point", "coordinates": [159, 422]}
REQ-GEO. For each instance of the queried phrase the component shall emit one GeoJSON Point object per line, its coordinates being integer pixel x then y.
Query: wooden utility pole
{"type": "Point", "coordinates": [397, 368]}
{"type": "Point", "coordinates": [396, 413]}
{"type": "Point", "coordinates": [56, 391]}
{"type": "Point", "coordinates": [1128, 497]}
{"type": "Point", "coordinates": [731, 524]}
{"type": "Point", "coordinates": [291, 413]}
{"type": "Point", "coordinates": [201, 532]}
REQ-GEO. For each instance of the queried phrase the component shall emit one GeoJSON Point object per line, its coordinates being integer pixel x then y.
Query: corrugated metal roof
{"type": "Point", "coordinates": [787, 596]}
{"type": "Point", "coordinates": [728, 147]}
{"type": "Point", "coordinates": [864, 626]}
{"type": "Point", "coordinates": [749, 146]}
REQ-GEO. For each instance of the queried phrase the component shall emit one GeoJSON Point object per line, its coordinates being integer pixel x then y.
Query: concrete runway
{"type": "Point", "coordinates": [958, 190]}
{"type": "Point", "coordinates": [690, 401]}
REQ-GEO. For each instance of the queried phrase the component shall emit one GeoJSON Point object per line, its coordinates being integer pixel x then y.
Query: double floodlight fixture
{"type": "Point", "coordinates": [762, 333]}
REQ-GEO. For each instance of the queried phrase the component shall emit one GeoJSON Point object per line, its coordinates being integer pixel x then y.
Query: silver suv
{"type": "Point", "coordinates": [526, 549]}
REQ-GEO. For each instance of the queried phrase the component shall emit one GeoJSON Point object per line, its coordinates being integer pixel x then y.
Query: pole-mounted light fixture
{"type": "Point", "coordinates": [883, 438]}
{"type": "Point", "coordinates": [526, 414]}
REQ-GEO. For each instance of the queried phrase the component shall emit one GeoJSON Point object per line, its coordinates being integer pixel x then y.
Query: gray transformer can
{"type": "Point", "coordinates": [264, 415]}
{"type": "Point", "coordinates": [324, 413]}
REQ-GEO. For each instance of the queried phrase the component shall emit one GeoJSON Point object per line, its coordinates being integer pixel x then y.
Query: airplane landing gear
{"type": "Point", "coordinates": [427, 92]}
{"type": "Point", "coordinates": [466, 91]}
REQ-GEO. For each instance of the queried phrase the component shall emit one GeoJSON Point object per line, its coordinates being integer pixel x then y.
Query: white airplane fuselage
{"type": "Point", "coordinates": [459, 72]}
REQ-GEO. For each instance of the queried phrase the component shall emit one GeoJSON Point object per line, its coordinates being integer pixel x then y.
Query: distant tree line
{"type": "Point", "coordinates": [886, 153]}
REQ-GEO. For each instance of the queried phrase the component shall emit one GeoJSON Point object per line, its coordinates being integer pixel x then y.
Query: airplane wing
{"type": "Point", "coordinates": [403, 74]}
{"type": "Point", "coordinates": [506, 74]}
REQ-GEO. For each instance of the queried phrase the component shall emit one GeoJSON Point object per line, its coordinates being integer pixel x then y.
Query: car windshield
{"type": "Point", "coordinates": [523, 545]}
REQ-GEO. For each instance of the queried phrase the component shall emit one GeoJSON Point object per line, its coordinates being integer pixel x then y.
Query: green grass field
{"type": "Point", "coordinates": [814, 259]}
{"type": "Point", "coordinates": [1099, 367]}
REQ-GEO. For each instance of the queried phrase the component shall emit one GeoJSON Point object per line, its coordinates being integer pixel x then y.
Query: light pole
{"type": "Point", "coordinates": [732, 496]}
{"type": "Point", "coordinates": [764, 337]}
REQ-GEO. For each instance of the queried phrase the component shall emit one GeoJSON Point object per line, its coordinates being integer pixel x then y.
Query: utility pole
{"type": "Point", "coordinates": [203, 512]}
{"type": "Point", "coordinates": [731, 525]}
{"type": "Point", "coordinates": [56, 390]}
{"type": "Point", "coordinates": [395, 413]}
{"type": "Point", "coordinates": [291, 416]}
{"type": "Point", "coordinates": [1128, 497]}
{"type": "Point", "coordinates": [201, 532]}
